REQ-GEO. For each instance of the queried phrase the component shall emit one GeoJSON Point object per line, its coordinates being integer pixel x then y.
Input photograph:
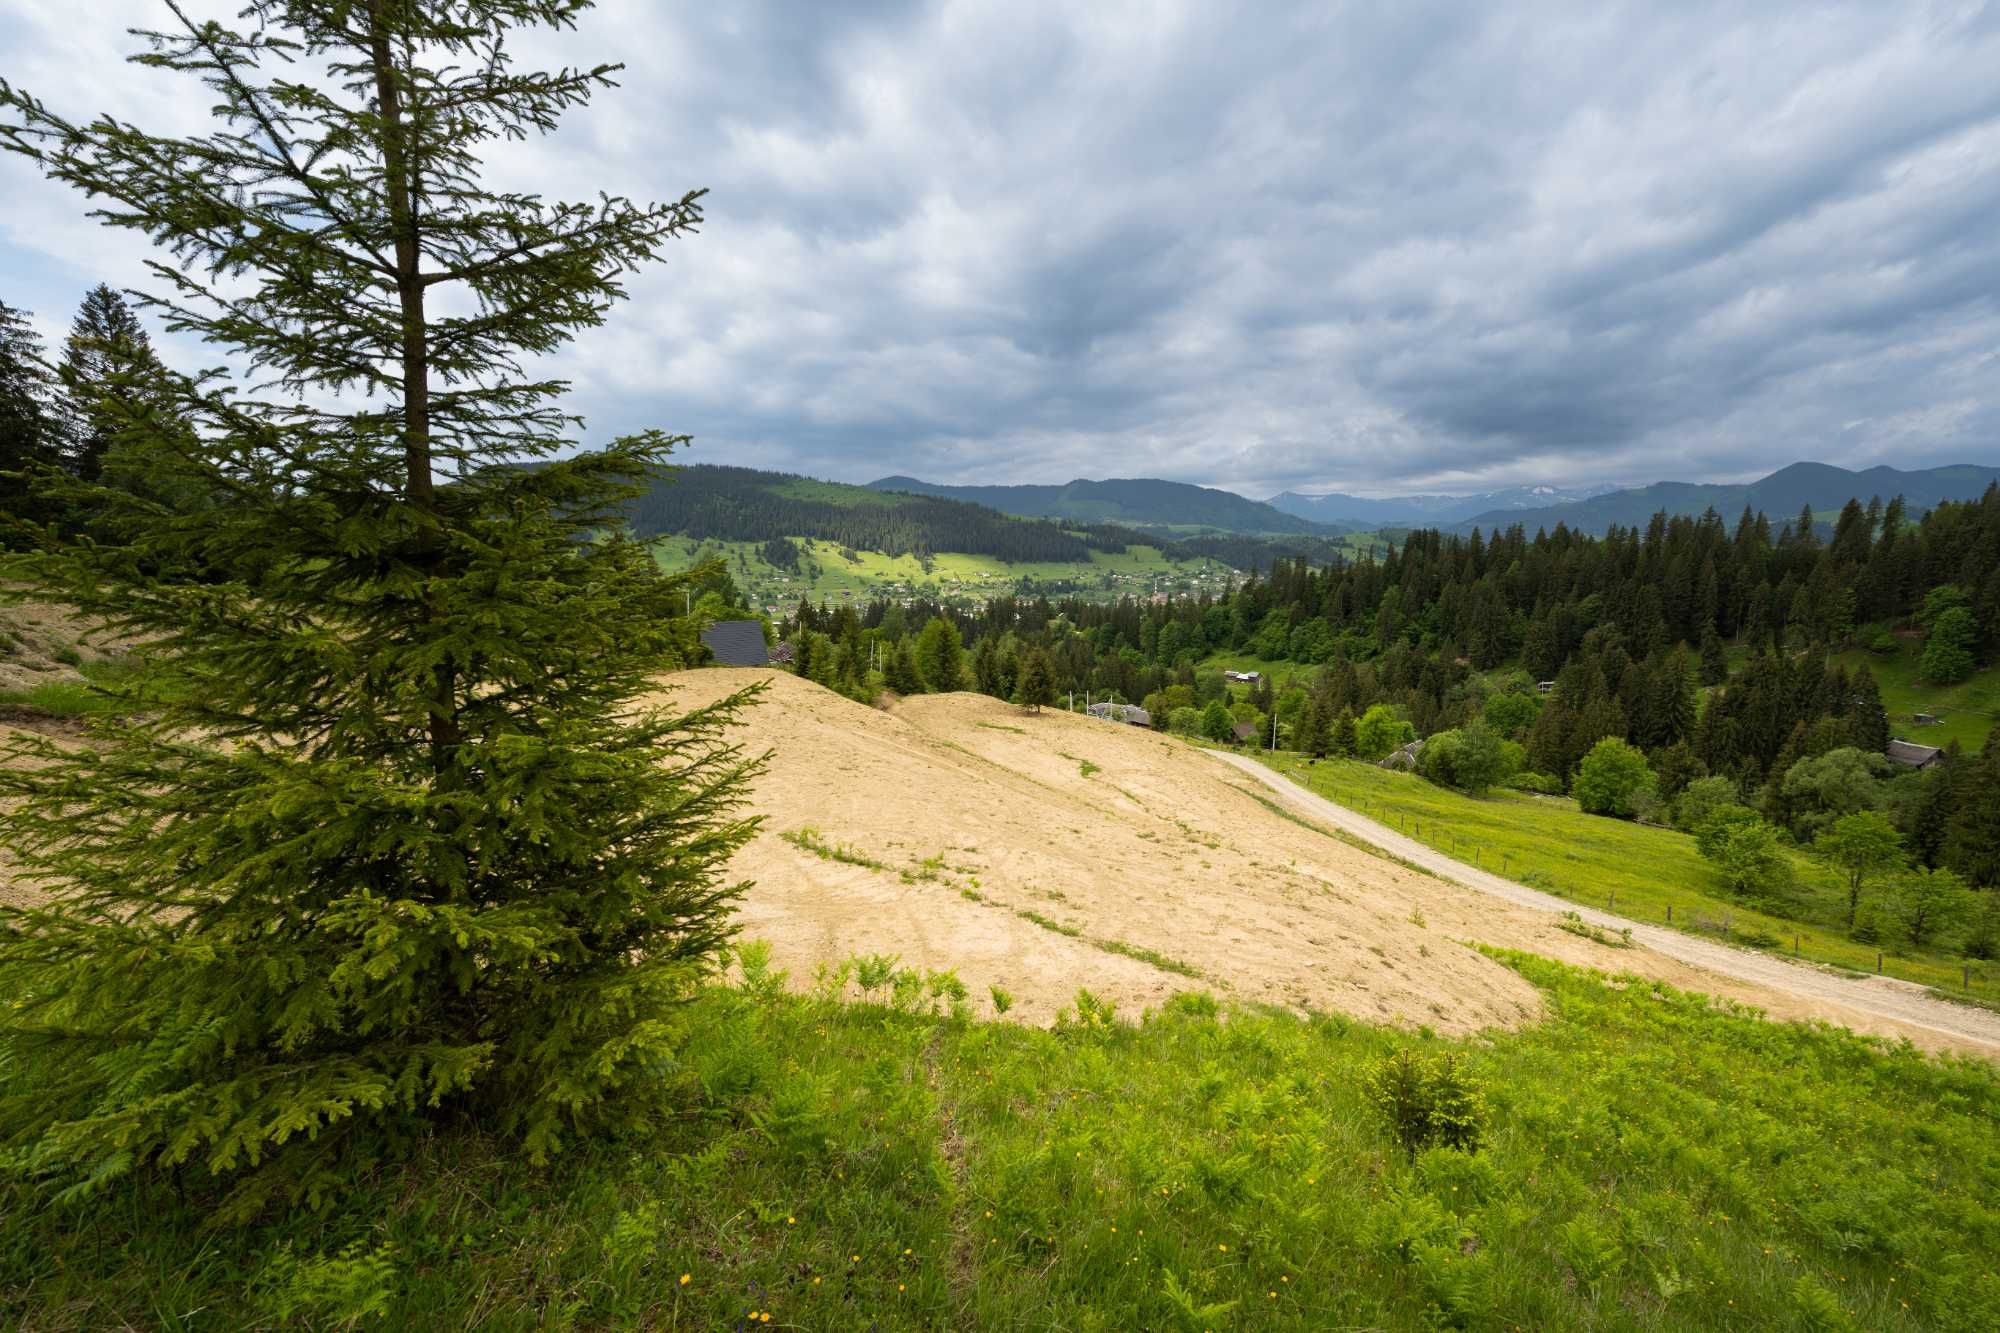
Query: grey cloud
{"type": "Point", "coordinates": [1375, 248]}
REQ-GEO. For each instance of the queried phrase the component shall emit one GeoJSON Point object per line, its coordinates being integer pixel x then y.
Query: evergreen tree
{"type": "Point", "coordinates": [392, 835]}
{"type": "Point", "coordinates": [110, 371]}
{"type": "Point", "coordinates": [899, 669]}
{"type": "Point", "coordinates": [1867, 720]}
{"type": "Point", "coordinates": [1343, 738]}
{"type": "Point", "coordinates": [986, 667]}
{"type": "Point", "coordinates": [1972, 844]}
{"type": "Point", "coordinates": [1937, 802]}
{"type": "Point", "coordinates": [940, 655]}
{"type": "Point", "coordinates": [33, 422]}
{"type": "Point", "coordinates": [1312, 736]}
{"type": "Point", "coordinates": [1714, 660]}
{"type": "Point", "coordinates": [1035, 687]}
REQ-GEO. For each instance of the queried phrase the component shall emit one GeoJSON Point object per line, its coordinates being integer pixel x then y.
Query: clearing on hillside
{"type": "Point", "coordinates": [1043, 853]}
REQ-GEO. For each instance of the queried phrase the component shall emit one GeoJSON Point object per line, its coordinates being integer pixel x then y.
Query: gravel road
{"type": "Point", "coordinates": [1902, 1001]}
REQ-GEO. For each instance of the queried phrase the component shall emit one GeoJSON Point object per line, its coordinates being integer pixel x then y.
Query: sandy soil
{"type": "Point", "coordinates": [1869, 1004]}
{"type": "Point", "coordinates": [1133, 839]}
{"type": "Point", "coordinates": [976, 815]}
{"type": "Point", "coordinates": [34, 638]}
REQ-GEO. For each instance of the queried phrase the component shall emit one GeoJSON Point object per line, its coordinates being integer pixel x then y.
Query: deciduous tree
{"type": "Point", "coordinates": [1861, 845]}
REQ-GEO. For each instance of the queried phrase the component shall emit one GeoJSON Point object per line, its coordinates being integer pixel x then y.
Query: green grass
{"type": "Point", "coordinates": [1633, 869]}
{"type": "Point", "coordinates": [1651, 1163]}
{"type": "Point", "coordinates": [1276, 670]}
{"type": "Point", "coordinates": [1970, 709]}
{"type": "Point", "coordinates": [88, 697]}
{"type": "Point", "coordinates": [1048, 923]}
{"type": "Point", "coordinates": [1152, 957]}
{"type": "Point", "coordinates": [809, 839]}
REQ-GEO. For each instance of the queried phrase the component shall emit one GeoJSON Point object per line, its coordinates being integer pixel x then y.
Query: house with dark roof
{"type": "Point", "coordinates": [1130, 714]}
{"type": "Point", "coordinates": [1912, 755]}
{"type": "Point", "coordinates": [736, 643]}
{"type": "Point", "coordinates": [1245, 732]}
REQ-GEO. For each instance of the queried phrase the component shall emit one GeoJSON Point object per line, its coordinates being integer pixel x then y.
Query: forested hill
{"type": "Point", "coordinates": [1820, 487]}
{"type": "Point", "coordinates": [741, 504]}
{"type": "Point", "coordinates": [1134, 502]}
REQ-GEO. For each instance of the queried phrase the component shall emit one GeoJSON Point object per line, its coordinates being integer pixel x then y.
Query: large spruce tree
{"type": "Point", "coordinates": [390, 827]}
{"type": "Point", "coordinates": [107, 356]}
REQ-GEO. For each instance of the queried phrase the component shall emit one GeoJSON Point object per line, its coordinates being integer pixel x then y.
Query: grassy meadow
{"type": "Point", "coordinates": [826, 573]}
{"type": "Point", "coordinates": [1970, 709]}
{"type": "Point", "coordinates": [1636, 869]}
{"type": "Point", "coordinates": [842, 1163]}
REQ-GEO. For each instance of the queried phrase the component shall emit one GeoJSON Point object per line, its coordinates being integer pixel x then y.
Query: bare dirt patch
{"type": "Point", "coordinates": [1050, 852]}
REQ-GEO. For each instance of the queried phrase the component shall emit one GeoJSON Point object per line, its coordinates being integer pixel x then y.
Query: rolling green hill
{"type": "Point", "coordinates": [827, 571]}
{"type": "Point", "coordinates": [1142, 502]}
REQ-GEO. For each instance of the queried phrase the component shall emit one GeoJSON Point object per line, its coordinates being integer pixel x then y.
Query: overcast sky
{"type": "Point", "coordinates": [1365, 247]}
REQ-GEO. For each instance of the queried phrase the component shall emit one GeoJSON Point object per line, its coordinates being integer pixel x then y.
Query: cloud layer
{"type": "Point", "coordinates": [1374, 248]}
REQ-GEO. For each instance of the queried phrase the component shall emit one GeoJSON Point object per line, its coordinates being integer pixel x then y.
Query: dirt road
{"type": "Point", "coordinates": [1887, 998]}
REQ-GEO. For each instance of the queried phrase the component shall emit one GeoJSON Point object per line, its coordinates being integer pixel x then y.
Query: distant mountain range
{"type": "Point", "coordinates": [1410, 511]}
{"type": "Point", "coordinates": [1780, 495]}
{"type": "Point", "coordinates": [1131, 502]}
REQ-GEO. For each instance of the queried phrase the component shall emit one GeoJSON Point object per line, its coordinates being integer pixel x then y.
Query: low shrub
{"type": "Point", "coordinates": [1427, 1101]}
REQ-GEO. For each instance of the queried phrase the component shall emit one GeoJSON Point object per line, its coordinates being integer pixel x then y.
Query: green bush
{"type": "Point", "coordinates": [1610, 778]}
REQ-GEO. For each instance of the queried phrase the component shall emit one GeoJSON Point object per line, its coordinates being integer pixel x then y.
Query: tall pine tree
{"type": "Point", "coordinates": [34, 434]}
{"type": "Point", "coordinates": [391, 827]}
{"type": "Point", "coordinates": [111, 373]}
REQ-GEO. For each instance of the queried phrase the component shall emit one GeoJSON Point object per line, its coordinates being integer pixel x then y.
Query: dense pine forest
{"type": "Point", "coordinates": [1704, 648]}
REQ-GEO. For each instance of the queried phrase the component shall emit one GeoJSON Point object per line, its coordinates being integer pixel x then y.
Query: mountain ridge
{"type": "Point", "coordinates": [1781, 495]}
{"type": "Point", "coordinates": [1144, 502]}
{"type": "Point", "coordinates": [1423, 510]}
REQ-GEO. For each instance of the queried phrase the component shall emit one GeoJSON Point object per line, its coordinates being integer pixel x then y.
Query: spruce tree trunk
{"type": "Point", "coordinates": [442, 724]}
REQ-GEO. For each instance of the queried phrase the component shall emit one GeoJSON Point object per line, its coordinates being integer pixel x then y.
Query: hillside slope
{"type": "Point", "coordinates": [1134, 501]}
{"type": "Point", "coordinates": [1172, 871]}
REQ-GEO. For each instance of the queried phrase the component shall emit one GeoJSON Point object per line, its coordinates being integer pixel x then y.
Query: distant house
{"type": "Point", "coordinates": [1131, 714]}
{"type": "Point", "coordinates": [1404, 760]}
{"type": "Point", "coordinates": [1912, 755]}
{"type": "Point", "coordinates": [1544, 686]}
{"type": "Point", "coordinates": [1928, 720]}
{"type": "Point", "coordinates": [1250, 676]}
{"type": "Point", "coordinates": [782, 654]}
{"type": "Point", "coordinates": [1246, 732]}
{"type": "Point", "coordinates": [737, 643]}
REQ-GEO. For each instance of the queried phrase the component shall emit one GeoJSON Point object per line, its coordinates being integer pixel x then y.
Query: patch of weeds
{"type": "Point", "coordinates": [809, 839]}
{"type": "Point", "coordinates": [1152, 957]}
{"type": "Point", "coordinates": [1003, 999]}
{"type": "Point", "coordinates": [1026, 914]}
{"type": "Point", "coordinates": [1576, 925]}
{"type": "Point", "coordinates": [997, 726]}
{"type": "Point", "coordinates": [1417, 918]}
